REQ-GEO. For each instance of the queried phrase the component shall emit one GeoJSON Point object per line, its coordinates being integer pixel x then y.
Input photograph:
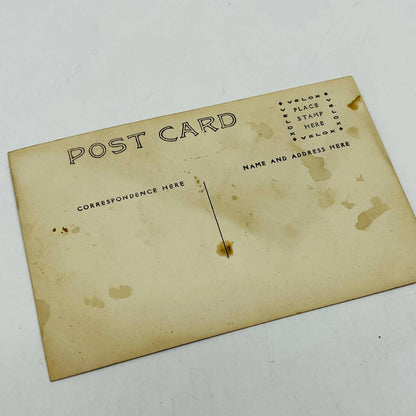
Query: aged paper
{"type": "Point", "coordinates": [157, 233]}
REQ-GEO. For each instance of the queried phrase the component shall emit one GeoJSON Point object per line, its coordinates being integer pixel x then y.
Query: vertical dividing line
{"type": "Point", "coordinates": [218, 225]}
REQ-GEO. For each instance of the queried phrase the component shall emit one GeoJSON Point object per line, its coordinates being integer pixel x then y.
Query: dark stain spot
{"type": "Point", "coordinates": [122, 292]}
{"type": "Point", "coordinates": [355, 103]}
{"type": "Point", "coordinates": [44, 312]}
{"type": "Point", "coordinates": [353, 132]}
{"type": "Point", "coordinates": [223, 250]}
{"type": "Point", "coordinates": [64, 230]}
{"type": "Point", "coordinates": [367, 217]}
{"type": "Point", "coordinates": [235, 197]}
{"type": "Point", "coordinates": [94, 302]}
{"type": "Point", "coordinates": [54, 229]}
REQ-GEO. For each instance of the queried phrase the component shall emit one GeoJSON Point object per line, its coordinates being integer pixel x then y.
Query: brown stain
{"type": "Point", "coordinates": [235, 197]}
{"type": "Point", "coordinates": [64, 230]}
{"type": "Point", "coordinates": [75, 230]}
{"type": "Point", "coordinates": [94, 302]}
{"type": "Point", "coordinates": [221, 249]}
{"type": "Point", "coordinates": [44, 312]}
{"type": "Point", "coordinates": [315, 165]}
{"type": "Point", "coordinates": [360, 178]}
{"type": "Point", "coordinates": [366, 217]}
{"type": "Point", "coordinates": [347, 204]}
{"type": "Point", "coordinates": [353, 132]}
{"type": "Point", "coordinates": [54, 230]}
{"type": "Point", "coordinates": [316, 168]}
{"type": "Point", "coordinates": [290, 231]}
{"type": "Point", "coordinates": [122, 292]}
{"type": "Point", "coordinates": [326, 198]}
{"type": "Point", "coordinates": [262, 129]}
{"type": "Point", "coordinates": [355, 103]}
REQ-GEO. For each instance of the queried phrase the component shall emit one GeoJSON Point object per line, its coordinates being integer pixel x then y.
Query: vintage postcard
{"type": "Point", "coordinates": [157, 233]}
